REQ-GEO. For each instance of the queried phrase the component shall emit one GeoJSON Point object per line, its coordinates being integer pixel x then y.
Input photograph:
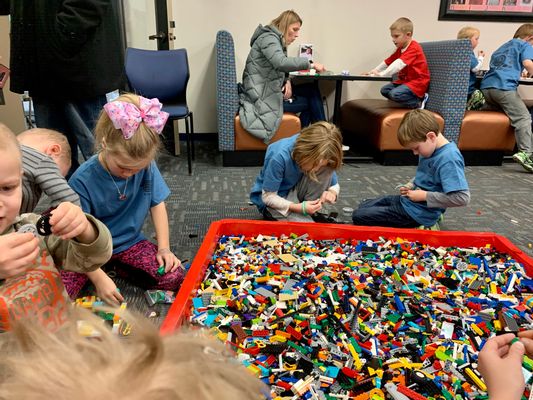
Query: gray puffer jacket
{"type": "Point", "coordinates": [261, 99]}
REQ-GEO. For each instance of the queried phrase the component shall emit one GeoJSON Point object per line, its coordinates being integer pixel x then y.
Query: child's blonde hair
{"type": "Point", "coordinates": [403, 25]}
{"type": "Point", "coordinates": [144, 144]}
{"type": "Point", "coordinates": [284, 20]}
{"type": "Point", "coordinates": [8, 140]}
{"type": "Point", "coordinates": [319, 141]}
{"type": "Point", "coordinates": [40, 365]}
{"type": "Point", "coordinates": [523, 31]}
{"type": "Point", "coordinates": [52, 137]}
{"type": "Point", "coordinates": [467, 32]}
{"type": "Point", "coordinates": [415, 126]}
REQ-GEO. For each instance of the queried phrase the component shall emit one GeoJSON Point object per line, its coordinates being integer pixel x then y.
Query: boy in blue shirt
{"type": "Point", "coordinates": [499, 87]}
{"type": "Point", "coordinates": [439, 183]}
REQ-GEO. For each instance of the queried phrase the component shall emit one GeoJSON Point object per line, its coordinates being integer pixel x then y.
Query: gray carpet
{"type": "Point", "coordinates": [500, 202]}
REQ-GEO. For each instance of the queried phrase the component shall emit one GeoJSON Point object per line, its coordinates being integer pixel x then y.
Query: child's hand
{"type": "Point", "coordinates": [312, 206]}
{"type": "Point", "coordinates": [374, 72]}
{"type": "Point", "coordinates": [416, 195]}
{"type": "Point", "coordinates": [69, 221]}
{"type": "Point", "coordinates": [526, 337]}
{"type": "Point", "coordinates": [106, 289]}
{"type": "Point", "coordinates": [17, 253]}
{"type": "Point", "coordinates": [168, 259]}
{"type": "Point", "coordinates": [328, 197]}
{"type": "Point", "coordinates": [500, 363]}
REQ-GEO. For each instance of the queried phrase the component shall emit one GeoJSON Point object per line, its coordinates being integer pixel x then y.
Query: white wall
{"type": "Point", "coordinates": [347, 35]}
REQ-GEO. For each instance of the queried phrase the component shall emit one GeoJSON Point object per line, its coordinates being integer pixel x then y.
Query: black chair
{"type": "Point", "coordinates": [163, 74]}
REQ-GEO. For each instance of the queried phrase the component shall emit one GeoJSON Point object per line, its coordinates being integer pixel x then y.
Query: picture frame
{"type": "Point", "coordinates": [306, 51]}
{"type": "Point", "coordinates": [486, 10]}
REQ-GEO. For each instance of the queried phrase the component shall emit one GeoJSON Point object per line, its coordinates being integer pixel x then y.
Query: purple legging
{"type": "Point", "coordinates": [138, 264]}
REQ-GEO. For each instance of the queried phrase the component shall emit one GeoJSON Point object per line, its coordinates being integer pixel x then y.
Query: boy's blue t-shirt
{"type": "Point", "coordinates": [443, 172]}
{"type": "Point", "coordinates": [473, 77]}
{"type": "Point", "coordinates": [506, 65]}
{"type": "Point", "coordinates": [124, 218]}
{"type": "Point", "coordinates": [280, 173]}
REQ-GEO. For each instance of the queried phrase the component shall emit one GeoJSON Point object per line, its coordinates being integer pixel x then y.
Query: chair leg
{"type": "Point", "coordinates": [192, 133]}
{"type": "Point", "coordinates": [188, 136]}
{"type": "Point", "coordinates": [176, 131]}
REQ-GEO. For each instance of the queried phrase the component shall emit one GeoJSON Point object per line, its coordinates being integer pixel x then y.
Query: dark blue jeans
{"type": "Point", "coordinates": [383, 211]}
{"type": "Point", "coordinates": [76, 120]}
{"type": "Point", "coordinates": [401, 94]}
{"type": "Point", "coordinates": [306, 100]}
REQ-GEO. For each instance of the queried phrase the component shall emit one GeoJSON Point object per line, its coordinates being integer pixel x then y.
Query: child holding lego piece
{"type": "Point", "coordinates": [439, 183]}
{"type": "Point", "coordinates": [298, 175]}
{"type": "Point", "coordinates": [409, 62]}
{"type": "Point", "coordinates": [475, 97]}
{"type": "Point", "coordinates": [499, 86]}
{"type": "Point", "coordinates": [30, 283]}
{"type": "Point", "coordinates": [120, 185]}
{"type": "Point", "coordinates": [46, 161]}
{"type": "Point", "coordinates": [187, 365]}
{"type": "Point", "coordinates": [500, 363]}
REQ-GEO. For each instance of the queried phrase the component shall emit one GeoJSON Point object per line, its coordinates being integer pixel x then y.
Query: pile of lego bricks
{"type": "Point", "coordinates": [344, 319]}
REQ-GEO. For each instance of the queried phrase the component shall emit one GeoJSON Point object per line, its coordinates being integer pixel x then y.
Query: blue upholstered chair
{"type": "Point", "coordinates": [163, 74]}
{"type": "Point", "coordinates": [238, 147]}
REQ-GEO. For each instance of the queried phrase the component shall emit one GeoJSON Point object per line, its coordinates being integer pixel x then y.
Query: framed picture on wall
{"type": "Point", "coordinates": [486, 10]}
{"type": "Point", "coordinates": [306, 50]}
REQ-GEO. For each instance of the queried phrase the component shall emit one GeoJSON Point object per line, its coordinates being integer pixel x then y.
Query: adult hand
{"type": "Point", "coordinates": [168, 259]}
{"type": "Point", "coordinates": [18, 251]}
{"type": "Point", "coordinates": [107, 290]}
{"type": "Point", "coordinates": [415, 195]}
{"type": "Point", "coordinates": [318, 67]}
{"type": "Point", "coordinates": [329, 196]}
{"type": "Point", "coordinates": [287, 90]}
{"type": "Point", "coordinates": [500, 363]}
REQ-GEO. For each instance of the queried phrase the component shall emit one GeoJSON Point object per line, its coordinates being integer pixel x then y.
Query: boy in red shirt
{"type": "Point", "coordinates": [409, 62]}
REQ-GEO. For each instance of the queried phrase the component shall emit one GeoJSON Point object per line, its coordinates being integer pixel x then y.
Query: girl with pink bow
{"type": "Point", "coordinates": [120, 185]}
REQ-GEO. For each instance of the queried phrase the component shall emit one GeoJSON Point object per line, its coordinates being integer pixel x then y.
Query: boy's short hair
{"type": "Point", "coordinates": [523, 31]}
{"type": "Point", "coordinates": [53, 137]}
{"type": "Point", "coordinates": [415, 126]}
{"type": "Point", "coordinates": [467, 32]}
{"type": "Point", "coordinates": [319, 141]}
{"type": "Point", "coordinates": [37, 364]}
{"type": "Point", "coordinates": [403, 25]}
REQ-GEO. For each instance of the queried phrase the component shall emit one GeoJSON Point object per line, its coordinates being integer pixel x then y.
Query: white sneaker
{"type": "Point", "coordinates": [345, 148]}
{"type": "Point", "coordinates": [424, 101]}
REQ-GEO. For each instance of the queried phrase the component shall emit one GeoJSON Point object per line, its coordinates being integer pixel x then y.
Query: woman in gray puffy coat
{"type": "Point", "coordinates": [266, 91]}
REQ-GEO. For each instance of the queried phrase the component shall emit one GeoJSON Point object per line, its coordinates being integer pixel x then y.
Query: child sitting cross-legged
{"type": "Point", "coordinates": [439, 182]}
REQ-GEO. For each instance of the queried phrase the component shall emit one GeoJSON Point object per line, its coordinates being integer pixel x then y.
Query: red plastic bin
{"type": "Point", "coordinates": [180, 309]}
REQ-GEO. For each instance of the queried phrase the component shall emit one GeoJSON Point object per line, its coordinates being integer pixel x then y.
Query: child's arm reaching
{"type": "Point", "coordinates": [105, 287]}
{"type": "Point", "coordinates": [459, 198]}
{"type": "Point", "coordinates": [164, 255]}
{"type": "Point", "coordinates": [68, 221]}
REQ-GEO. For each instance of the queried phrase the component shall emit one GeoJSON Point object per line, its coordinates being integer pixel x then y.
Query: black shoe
{"type": "Point", "coordinates": [325, 218]}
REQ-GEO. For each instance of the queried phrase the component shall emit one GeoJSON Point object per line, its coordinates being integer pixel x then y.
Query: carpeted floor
{"type": "Point", "coordinates": [500, 202]}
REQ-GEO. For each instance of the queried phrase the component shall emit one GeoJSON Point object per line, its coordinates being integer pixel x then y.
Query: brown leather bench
{"type": "Point", "coordinates": [290, 124]}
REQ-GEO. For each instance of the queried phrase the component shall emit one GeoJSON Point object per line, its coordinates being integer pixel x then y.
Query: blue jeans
{"type": "Point", "coordinates": [383, 211]}
{"type": "Point", "coordinates": [306, 100]}
{"type": "Point", "coordinates": [401, 94]}
{"type": "Point", "coordinates": [76, 120]}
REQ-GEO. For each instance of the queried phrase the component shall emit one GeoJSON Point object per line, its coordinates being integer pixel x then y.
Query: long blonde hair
{"type": "Point", "coordinates": [144, 144]}
{"type": "Point", "coordinates": [319, 141]}
{"type": "Point", "coordinates": [40, 365]}
{"type": "Point", "coordinates": [284, 20]}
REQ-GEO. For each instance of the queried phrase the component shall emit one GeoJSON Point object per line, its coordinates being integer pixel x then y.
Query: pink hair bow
{"type": "Point", "coordinates": [127, 117]}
